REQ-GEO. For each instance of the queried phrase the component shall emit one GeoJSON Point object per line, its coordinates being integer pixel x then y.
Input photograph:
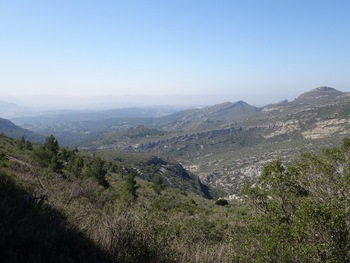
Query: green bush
{"type": "Point", "coordinates": [222, 202]}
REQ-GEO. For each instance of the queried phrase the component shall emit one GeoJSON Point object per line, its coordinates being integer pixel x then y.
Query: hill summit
{"type": "Point", "coordinates": [319, 94]}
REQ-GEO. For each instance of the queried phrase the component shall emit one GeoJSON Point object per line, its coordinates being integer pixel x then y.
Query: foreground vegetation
{"type": "Point", "coordinates": [58, 205]}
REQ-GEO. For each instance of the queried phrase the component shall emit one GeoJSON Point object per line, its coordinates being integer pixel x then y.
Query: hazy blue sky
{"type": "Point", "coordinates": [173, 51]}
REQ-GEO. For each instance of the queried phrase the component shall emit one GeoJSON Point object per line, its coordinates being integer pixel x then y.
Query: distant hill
{"type": "Point", "coordinates": [208, 117]}
{"type": "Point", "coordinates": [10, 129]}
{"type": "Point", "coordinates": [11, 110]}
{"type": "Point", "coordinates": [319, 94]}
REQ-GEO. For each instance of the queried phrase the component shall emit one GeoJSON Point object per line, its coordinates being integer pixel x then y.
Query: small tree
{"type": "Point", "coordinates": [75, 165]}
{"type": "Point", "coordinates": [131, 185]}
{"type": "Point", "coordinates": [2, 156]}
{"type": "Point", "coordinates": [222, 202]}
{"type": "Point", "coordinates": [51, 144]}
{"type": "Point", "coordinates": [97, 170]}
{"type": "Point", "coordinates": [55, 164]}
{"type": "Point", "coordinates": [44, 155]}
{"type": "Point", "coordinates": [28, 146]}
{"type": "Point", "coordinates": [21, 143]}
{"type": "Point", "coordinates": [157, 184]}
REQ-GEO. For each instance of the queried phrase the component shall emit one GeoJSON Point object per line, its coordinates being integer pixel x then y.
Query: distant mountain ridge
{"type": "Point", "coordinates": [224, 144]}
{"type": "Point", "coordinates": [228, 143]}
{"type": "Point", "coordinates": [228, 112]}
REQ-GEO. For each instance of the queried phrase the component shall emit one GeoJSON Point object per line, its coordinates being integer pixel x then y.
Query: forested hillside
{"type": "Point", "coordinates": [62, 205]}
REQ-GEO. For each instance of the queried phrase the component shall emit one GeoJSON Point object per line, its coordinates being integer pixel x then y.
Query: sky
{"type": "Point", "coordinates": [114, 53]}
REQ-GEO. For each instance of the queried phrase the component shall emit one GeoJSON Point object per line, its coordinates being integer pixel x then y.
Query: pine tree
{"type": "Point", "coordinates": [51, 144]}
{"type": "Point", "coordinates": [157, 184]}
{"type": "Point", "coordinates": [131, 185]}
{"type": "Point", "coordinates": [21, 143]}
{"type": "Point", "coordinates": [28, 146]}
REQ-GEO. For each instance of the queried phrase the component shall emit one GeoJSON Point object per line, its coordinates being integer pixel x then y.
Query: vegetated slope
{"type": "Point", "coordinates": [301, 210]}
{"type": "Point", "coordinates": [55, 212]}
{"type": "Point", "coordinates": [225, 148]}
{"type": "Point", "coordinates": [60, 205]}
{"type": "Point", "coordinates": [149, 166]}
{"type": "Point", "coordinates": [10, 129]}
